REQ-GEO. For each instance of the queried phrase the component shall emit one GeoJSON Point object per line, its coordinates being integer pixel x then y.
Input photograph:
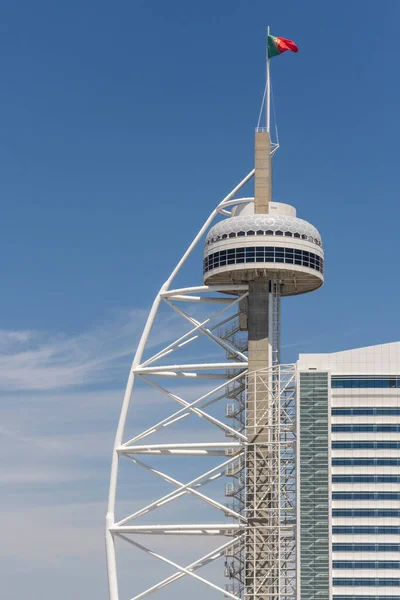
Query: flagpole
{"type": "Point", "coordinates": [268, 98]}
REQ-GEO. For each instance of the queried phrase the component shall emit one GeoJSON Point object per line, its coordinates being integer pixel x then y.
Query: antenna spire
{"type": "Point", "coordinates": [268, 89]}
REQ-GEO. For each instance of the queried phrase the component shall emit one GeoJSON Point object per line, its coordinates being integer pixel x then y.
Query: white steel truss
{"type": "Point", "coordinates": [228, 379]}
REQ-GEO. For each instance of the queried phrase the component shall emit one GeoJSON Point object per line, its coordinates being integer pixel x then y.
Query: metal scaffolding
{"type": "Point", "coordinates": [263, 565]}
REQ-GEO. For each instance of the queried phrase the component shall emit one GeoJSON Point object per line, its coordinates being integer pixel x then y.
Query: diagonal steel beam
{"type": "Point", "coordinates": [180, 413]}
{"type": "Point", "coordinates": [181, 569]}
{"type": "Point", "coordinates": [197, 328]}
{"type": "Point", "coordinates": [201, 562]}
{"type": "Point", "coordinates": [189, 490]}
{"type": "Point", "coordinates": [224, 344]}
{"type": "Point", "coordinates": [172, 495]}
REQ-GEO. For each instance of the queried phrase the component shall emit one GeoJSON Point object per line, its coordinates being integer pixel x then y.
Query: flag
{"type": "Point", "coordinates": [279, 45]}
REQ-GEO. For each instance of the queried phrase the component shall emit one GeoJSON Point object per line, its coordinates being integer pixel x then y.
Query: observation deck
{"type": "Point", "coordinates": [247, 245]}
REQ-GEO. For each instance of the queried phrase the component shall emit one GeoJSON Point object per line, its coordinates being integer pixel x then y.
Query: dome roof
{"type": "Point", "coordinates": [264, 223]}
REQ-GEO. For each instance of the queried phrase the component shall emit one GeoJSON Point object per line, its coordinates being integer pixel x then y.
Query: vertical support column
{"type": "Point", "coordinates": [263, 173]}
{"type": "Point", "coordinates": [262, 499]}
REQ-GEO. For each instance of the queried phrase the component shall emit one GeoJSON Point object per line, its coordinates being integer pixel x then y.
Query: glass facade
{"type": "Point", "coordinates": [366, 462]}
{"type": "Point", "coordinates": [366, 496]}
{"type": "Point", "coordinates": [376, 445]}
{"type": "Point", "coordinates": [366, 547]}
{"type": "Point", "coordinates": [367, 582]}
{"type": "Point", "coordinates": [353, 503]}
{"type": "Point", "coordinates": [268, 254]}
{"type": "Point", "coordinates": [365, 381]}
{"type": "Point", "coordinates": [366, 478]}
{"type": "Point", "coordinates": [314, 486]}
{"type": "Point", "coordinates": [380, 411]}
{"type": "Point", "coordinates": [366, 512]}
{"type": "Point", "coordinates": [365, 597]}
{"type": "Point", "coordinates": [366, 564]}
{"type": "Point", "coordinates": [366, 428]}
{"type": "Point", "coordinates": [366, 530]}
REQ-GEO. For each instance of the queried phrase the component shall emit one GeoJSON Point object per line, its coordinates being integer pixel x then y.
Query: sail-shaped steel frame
{"type": "Point", "coordinates": [230, 451]}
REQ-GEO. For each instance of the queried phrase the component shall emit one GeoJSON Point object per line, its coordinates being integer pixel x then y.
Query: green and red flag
{"type": "Point", "coordinates": [279, 45]}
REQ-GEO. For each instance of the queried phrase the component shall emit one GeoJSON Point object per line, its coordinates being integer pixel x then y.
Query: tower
{"type": "Point", "coordinates": [257, 252]}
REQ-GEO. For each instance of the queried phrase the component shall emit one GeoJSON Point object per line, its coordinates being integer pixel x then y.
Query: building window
{"type": "Point", "coordinates": [265, 254]}
{"type": "Point", "coordinates": [366, 462]}
{"type": "Point", "coordinates": [366, 564]}
{"type": "Point", "coordinates": [365, 478]}
{"type": "Point", "coordinates": [380, 411]}
{"type": "Point", "coordinates": [366, 512]}
{"type": "Point", "coordinates": [335, 597]}
{"type": "Point", "coordinates": [395, 445]}
{"type": "Point", "coordinates": [367, 582]}
{"type": "Point", "coordinates": [366, 428]}
{"type": "Point", "coordinates": [372, 547]}
{"type": "Point", "coordinates": [366, 496]}
{"type": "Point", "coordinates": [366, 530]}
{"type": "Point", "coordinates": [365, 382]}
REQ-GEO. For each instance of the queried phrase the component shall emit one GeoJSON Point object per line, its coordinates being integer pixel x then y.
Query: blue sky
{"type": "Point", "coordinates": [123, 124]}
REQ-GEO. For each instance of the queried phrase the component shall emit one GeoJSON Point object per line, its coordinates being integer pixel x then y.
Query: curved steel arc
{"type": "Point", "coordinates": [110, 517]}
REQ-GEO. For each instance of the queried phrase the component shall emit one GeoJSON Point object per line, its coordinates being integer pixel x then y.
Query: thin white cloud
{"type": "Point", "coordinates": [32, 360]}
{"type": "Point", "coordinates": [57, 435]}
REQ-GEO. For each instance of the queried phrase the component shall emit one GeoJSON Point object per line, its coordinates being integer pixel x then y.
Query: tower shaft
{"type": "Point", "coordinates": [262, 500]}
{"type": "Point", "coordinates": [263, 173]}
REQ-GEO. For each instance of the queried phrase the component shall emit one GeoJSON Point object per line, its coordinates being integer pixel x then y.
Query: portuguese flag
{"type": "Point", "coordinates": [279, 45]}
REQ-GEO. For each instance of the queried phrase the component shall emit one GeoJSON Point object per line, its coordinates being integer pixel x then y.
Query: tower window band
{"type": "Point", "coordinates": [263, 254]}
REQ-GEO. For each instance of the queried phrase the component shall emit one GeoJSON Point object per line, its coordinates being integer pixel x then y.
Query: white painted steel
{"type": "Point", "coordinates": [181, 569]}
{"type": "Point", "coordinates": [138, 369]}
{"type": "Point", "coordinates": [204, 560]}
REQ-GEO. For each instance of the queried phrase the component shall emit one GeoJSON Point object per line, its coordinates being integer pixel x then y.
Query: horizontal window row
{"type": "Point", "coordinates": [271, 254]}
{"type": "Point", "coordinates": [366, 462]}
{"type": "Point", "coordinates": [366, 428]}
{"type": "Point", "coordinates": [366, 495]}
{"type": "Point", "coordinates": [366, 582]}
{"type": "Point", "coordinates": [366, 564]}
{"type": "Point", "coordinates": [338, 597]}
{"type": "Point", "coordinates": [366, 478]}
{"type": "Point", "coordinates": [366, 445]}
{"type": "Point", "coordinates": [381, 410]}
{"type": "Point", "coordinates": [389, 381]}
{"type": "Point", "coordinates": [251, 232]}
{"type": "Point", "coordinates": [366, 530]}
{"type": "Point", "coordinates": [366, 512]}
{"type": "Point", "coordinates": [366, 547]}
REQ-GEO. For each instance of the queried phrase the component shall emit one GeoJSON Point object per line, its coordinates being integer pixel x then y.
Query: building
{"type": "Point", "coordinates": [349, 474]}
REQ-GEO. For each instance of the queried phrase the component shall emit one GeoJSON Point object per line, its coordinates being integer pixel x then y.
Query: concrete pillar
{"type": "Point", "coordinates": [262, 541]}
{"type": "Point", "coordinates": [263, 174]}
{"type": "Point", "coordinates": [258, 345]}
